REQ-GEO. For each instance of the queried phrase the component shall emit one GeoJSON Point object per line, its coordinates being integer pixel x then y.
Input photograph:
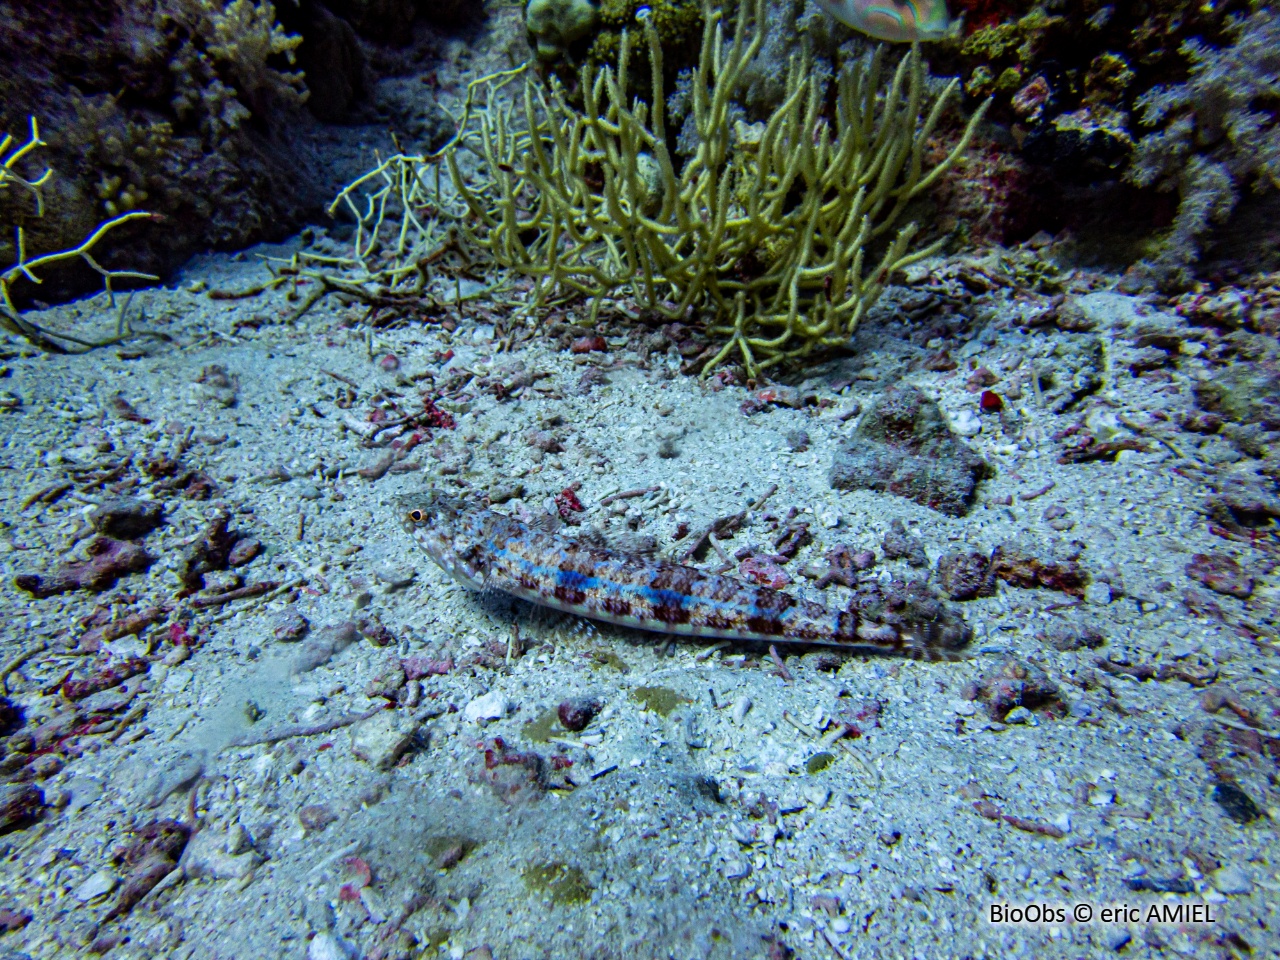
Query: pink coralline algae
{"type": "Point", "coordinates": [108, 561]}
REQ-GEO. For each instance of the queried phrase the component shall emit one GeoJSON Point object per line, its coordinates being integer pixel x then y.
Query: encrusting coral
{"type": "Point", "coordinates": [12, 157]}
{"type": "Point", "coordinates": [765, 228]}
{"type": "Point", "coordinates": [1217, 133]}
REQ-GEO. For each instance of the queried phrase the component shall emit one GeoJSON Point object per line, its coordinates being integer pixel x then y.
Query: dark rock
{"type": "Point", "coordinates": [388, 681]}
{"type": "Point", "coordinates": [513, 776]}
{"type": "Point", "coordinates": [1085, 448]}
{"type": "Point", "coordinates": [1067, 635]}
{"type": "Point", "coordinates": [1235, 803]}
{"type": "Point", "coordinates": [966, 574]}
{"type": "Point", "coordinates": [979, 379]}
{"type": "Point", "coordinates": [593, 344]}
{"type": "Point", "coordinates": [328, 642]}
{"type": "Point", "coordinates": [176, 108]}
{"type": "Point", "coordinates": [1201, 603]}
{"type": "Point", "coordinates": [105, 677]}
{"type": "Point", "coordinates": [124, 518]}
{"type": "Point", "coordinates": [108, 561]}
{"type": "Point", "coordinates": [152, 855]}
{"type": "Point", "coordinates": [291, 626]}
{"type": "Point", "coordinates": [451, 13]}
{"type": "Point", "coordinates": [1220, 574]}
{"type": "Point", "coordinates": [11, 717]}
{"type": "Point", "coordinates": [218, 386]}
{"type": "Point", "coordinates": [1244, 501]}
{"type": "Point", "coordinates": [798, 441]}
{"type": "Point", "coordinates": [900, 545]}
{"type": "Point", "coordinates": [316, 816]}
{"type": "Point", "coordinates": [543, 440]}
{"type": "Point", "coordinates": [11, 920]}
{"type": "Point", "coordinates": [844, 565]}
{"type": "Point", "coordinates": [383, 21]}
{"type": "Point", "coordinates": [244, 550]}
{"type": "Point", "coordinates": [333, 62]}
{"type": "Point", "coordinates": [903, 446]}
{"type": "Point", "coordinates": [1019, 684]}
{"type": "Point", "coordinates": [210, 553]}
{"type": "Point", "coordinates": [1025, 564]}
{"type": "Point", "coordinates": [1087, 143]}
{"type": "Point", "coordinates": [575, 714]}
{"type": "Point", "coordinates": [375, 631]}
{"type": "Point", "coordinates": [20, 805]}
{"type": "Point", "coordinates": [1072, 370]}
{"type": "Point", "coordinates": [1243, 393]}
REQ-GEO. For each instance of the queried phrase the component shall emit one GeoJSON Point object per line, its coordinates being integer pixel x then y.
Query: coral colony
{"type": "Point", "coordinates": [766, 228]}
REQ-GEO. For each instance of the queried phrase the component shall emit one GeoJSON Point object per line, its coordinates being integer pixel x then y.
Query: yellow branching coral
{"type": "Point", "coordinates": [11, 157]}
{"type": "Point", "coordinates": [765, 228]}
{"type": "Point", "coordinates": [245, 35]}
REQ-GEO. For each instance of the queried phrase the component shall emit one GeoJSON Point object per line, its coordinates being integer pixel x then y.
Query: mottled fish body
{"type": "Point", "coordinates": [897, 21]}
{"type": "Point", "coordinates": [486, 550]}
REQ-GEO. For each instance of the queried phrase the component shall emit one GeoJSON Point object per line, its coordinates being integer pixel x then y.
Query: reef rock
{"type": "Point", "coordinates": [904, 446]}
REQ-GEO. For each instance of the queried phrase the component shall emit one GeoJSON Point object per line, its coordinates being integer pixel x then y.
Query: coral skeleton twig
{"type": "Point", "coordinates": [764, 230]}
{"type": "Point", "coordinates": [11, 319]}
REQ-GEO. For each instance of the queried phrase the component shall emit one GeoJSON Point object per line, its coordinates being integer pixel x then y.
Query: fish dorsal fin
{"type": "Point", "coordinates": [641, 545]}
{"type": "Point", "coordinates": [545, 523]}
{"type": "Point", "coordinates": [593, 537]}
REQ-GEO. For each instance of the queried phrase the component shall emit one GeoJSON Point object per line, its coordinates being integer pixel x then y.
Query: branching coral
{"type": "Point", "coordinates": [765, 228]}
{"type": "Point", "coordinates": [238, 39]}
{"type": "Point", "coordinates": [1220, 133]}
{"type": "Point", "coordinates": [404, 223]}
{"type": "Point", "coordinates": [12, 157]}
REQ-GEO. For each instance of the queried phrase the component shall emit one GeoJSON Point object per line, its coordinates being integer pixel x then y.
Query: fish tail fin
{"type": "Point", "coordinates": [930, 647]}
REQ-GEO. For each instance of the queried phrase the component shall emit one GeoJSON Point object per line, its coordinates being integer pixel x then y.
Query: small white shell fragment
{"type": "Point", "coordinates": [740, 708]}
{"type": "Point", "coordinates": [325, 946]}
{"type": "Point", "coordinates": [967, 424]}
{"type": "Point", "coordinates": [737, 870]}
{"type": "Point", "coordinates": [102, 882]}
{"type": "Point", "coordinates": [492, 706]}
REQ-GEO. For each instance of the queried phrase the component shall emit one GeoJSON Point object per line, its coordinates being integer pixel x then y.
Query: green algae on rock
{"type": "Point", "coordinates": [558, 882]}
{"type": "Point", "coordinates": [539, 730]}
{"type": "Point", "coordinates": [659, 700]}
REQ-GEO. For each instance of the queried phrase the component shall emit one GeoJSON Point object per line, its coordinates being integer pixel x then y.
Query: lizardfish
{"type": "Point", "coordinates": [486, 550]}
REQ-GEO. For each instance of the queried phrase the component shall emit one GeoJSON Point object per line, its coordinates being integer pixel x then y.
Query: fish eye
{"type": "Point", "coordinates": [417, 516]}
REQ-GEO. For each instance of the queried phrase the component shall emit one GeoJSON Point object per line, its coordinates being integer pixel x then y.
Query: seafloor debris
{"type": "Point", "coordinates": [900, 545]}
{"type": "Point", "coordinates": [20, 805]}
{"type": "Point", "coordinates": [909, 608]}
{"type": "Point", "coordinates": [1022, 563]}
{"type": "Point", "coordinates": [126, 518]}
{"type": "Point", "coordinates": [108, 560]}
{"type": "Point", "coordinates": [966, 574]}
{"type": "Point", "coordinates": [576, 713]}
{"type": "Point", "coordinates": [514, 776]}
{"type": "Point", "coordinates": [216, 549]}
{"type": "Point", "coordinates": [1221, 574]}
{"type": "Point", "coordinates": [1017, 684]}
{"type": "Point", "coordinates": [152, 856]}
